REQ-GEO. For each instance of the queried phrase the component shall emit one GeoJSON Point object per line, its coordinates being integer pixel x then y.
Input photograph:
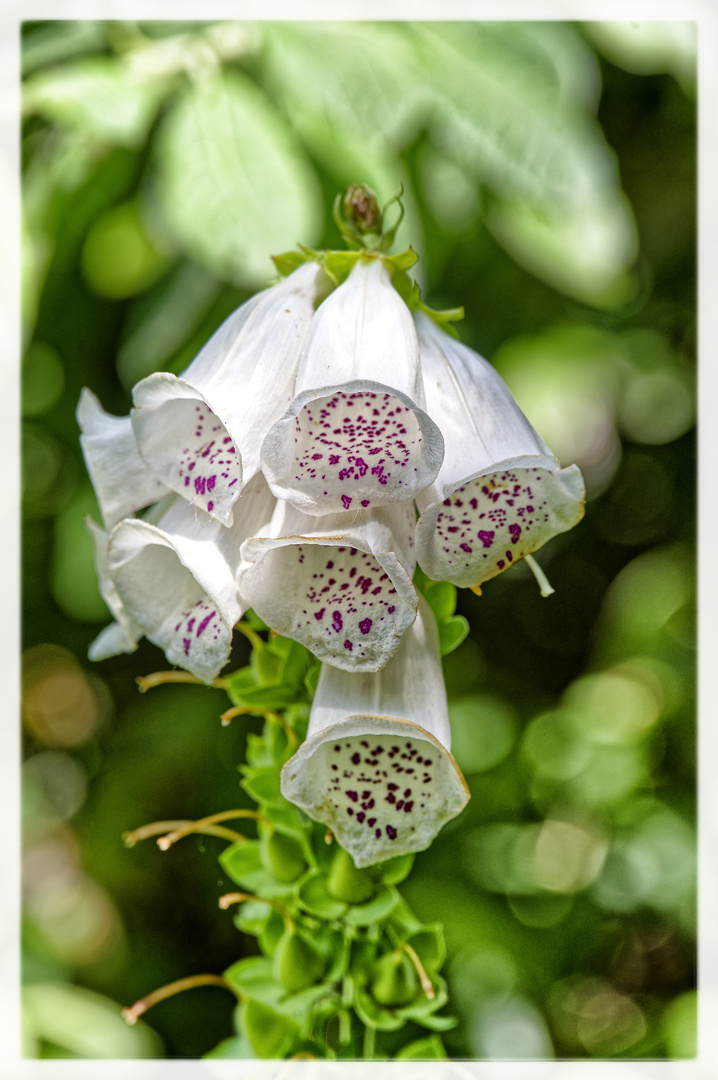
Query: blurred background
{"type": "Point", "coordinates": [549, 180]}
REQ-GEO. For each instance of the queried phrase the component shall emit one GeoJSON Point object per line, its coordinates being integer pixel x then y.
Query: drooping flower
{"type": "Point", "coordinates": [356, 434]}
{"type": "Point", "coordinates": [341, 584]}
{"type": "Point", "coordinates": [177, 581]}
{"type": "Point", "coordinates": [122, 635]}
{"type": "Point", "coordinates": [376, 766]}
{"type": "Point", "coordinates": [122, 481]}
{"type": "Point", "coordinates": [201, 433]}
{"type": "Point", "coordinates": [500, 493]}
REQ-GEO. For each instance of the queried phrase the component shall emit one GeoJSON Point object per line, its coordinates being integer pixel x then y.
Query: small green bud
{"type": "Point", "coordinates": [269, 1033]}
{"type": "Point", "coordinates": [296, 962]}
{"type": "Point", "coordinates": [283, 856]}
{"type": "Point", "coordinates": [394, 980]}
{"type": "Point", "coordinates": [345, 882]}
{"type": "Point", "coordinates": [361, 209]}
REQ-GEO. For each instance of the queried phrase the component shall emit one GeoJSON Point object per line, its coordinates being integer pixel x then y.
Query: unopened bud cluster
{"type": "Point", "coordinates": [283, 472]}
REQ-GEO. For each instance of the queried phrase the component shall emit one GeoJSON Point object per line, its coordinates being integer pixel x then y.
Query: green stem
{"type": "Point", "coordinates": [369, 1038]}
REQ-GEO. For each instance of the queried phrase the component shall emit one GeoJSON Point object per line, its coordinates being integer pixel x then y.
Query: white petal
{"type": "Point", "coordinates": [202, 433]}
{"type": "Point", "coordinates": [128, 631]}
{"type": "Point", "coordinates": [344, 590]}
{"type": "Point", "coordinates": [121, 480]}
{"type": "Point", "coordinates": [111, 641]}
{"type": "Point", "coordinates": [357, 429]}
{"type": "Point", "coordinates": [376, 766]}
{"type": "Point", "coordinates": [500, 493]}
{"type": "Point", "coordinates": [178, 579]}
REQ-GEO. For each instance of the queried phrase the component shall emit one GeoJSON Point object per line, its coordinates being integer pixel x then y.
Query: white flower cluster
{"type": "Point", "coordinates": [283, 470]}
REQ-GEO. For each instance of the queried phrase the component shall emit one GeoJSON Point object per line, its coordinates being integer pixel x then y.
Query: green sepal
{"type": "Point", "coordinates": [288, 261]}
{"type": "Point", "coordinates": [404, 920]}
{"type": "Point", "coordinates": [451, 633]}
{"type": "Point", "coordinates": [375, 910]}
{"type": "Point", "coordinates": [374, 1015]}
{"type": "Point", "coordinates": [252, 916]}
{"type": "Point", "coordinates": [243, 864]}
{"type": "Point", "coordinates": [296, 963]}
{"type": "Point", "coordinates": [404, 260]}
{"type": "Point", "coordinates": [395, 870]}
{"type": "Point", "coordinates": [429, 945]}
{"type": "Point", "coordinates": [253, 978]}
{"type": "Point", "coordinates": [441, 598]}
{"type": "Point", "coordinates": [314, 897]}
{"type": "Point", "coordinates": [347, 883]}
{"type": "Point", "coordinates": [271, 931]}
{"type": "Point", "coordinates": [443, 319]}
{"type": "Point", "coordinates": [238, 1047]}
{"type": "Point", "coordinates": [337, 265]}
{"type": "Point", "coordinates": [270, 1033]}
{"type": "Point", "coordinates": [429, 1049]}
{"type": "Point", "coordinates": [262, 785]}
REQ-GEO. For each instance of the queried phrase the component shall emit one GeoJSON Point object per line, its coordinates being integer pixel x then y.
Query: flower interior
{"type": "Point", "coordinates": [357, 449]}
{"type": "Point", "coordinates": [186, 444]}
{"type": "Point", "coordinates": [383, 792]}
{"type": "Point", "coordinates": [171, 607]}
{"type": "Point", "coordinates": [491, 522]}
{"type": "Point", "coordinates": [338, 601]}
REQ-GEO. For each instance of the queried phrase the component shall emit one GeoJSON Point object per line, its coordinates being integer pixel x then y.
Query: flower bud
{"type": "Point", "coordinates": [283, 856]}
{"type": "Point", "coordinates": [394, 980]}
{"type": "Point", "coordinates": [345, 882]}
{"type": "Point", "coordinates": [296, 962]}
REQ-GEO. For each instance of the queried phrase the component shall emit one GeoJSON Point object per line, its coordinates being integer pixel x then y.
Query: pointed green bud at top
{"type": "Point", "coordinates": [345, 882]}
{"type": "Point", "coordinates": [360, 209]}
{"type": "Point", "coordinates": [394, 980]}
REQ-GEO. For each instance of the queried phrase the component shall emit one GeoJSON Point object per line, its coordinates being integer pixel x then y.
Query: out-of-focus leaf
{"type": "Point", "coordinates": [233, 182]}
{"type": "Point", "coordinates": [429, 1049]}
{"type": "Point", "coordinates": [452, 632]}
{"type": "Point", "coordinates": [98, 94]}
{"type": "Point", "coordinates": [86, 1024]}
{"type": "Point", "coordinates": [59, 40]}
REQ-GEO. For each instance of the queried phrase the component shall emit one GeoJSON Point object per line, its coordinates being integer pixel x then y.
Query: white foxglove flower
{"type": "Point", "coordinates": [122, 635]}
{"type": "Point", "coordinates": [177, 580]}
{"type": "Point", "coordinates": [500, 493]}
{"type": "Point", "coordinates": [121, 480]}
{"type": "Point", "coordinates": [341, 585]}
{"type": "Point", "coordinates": [201, 433]}
{"type": "Point", "coordinates": [375, 766]}
{"type": "Point", "coordinates": [356, 435]}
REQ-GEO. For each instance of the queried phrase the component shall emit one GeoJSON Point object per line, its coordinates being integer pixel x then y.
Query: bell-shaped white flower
{"type": "Point", "coordinates": [201, 433]}
{"type": "Point", "coordinates": [500, 493]}
{"type": "Point", "coordinates": [177, 580]}
{"type": "Point", "coordinates": [122, 635]}
{"type": "Point", "coordinates": [356, 435]}
{"type": "Point", "coordinates": [375, 766]}
{"type": "Point", "coordinates": [340, 585]}
{"type": "Point", "coordinates": [122, 481]}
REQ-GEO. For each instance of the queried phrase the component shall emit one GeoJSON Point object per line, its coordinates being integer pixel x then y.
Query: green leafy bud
{"type": "Point", "coordinates": [269, 1033]}
{"type": "Point", "coordinates": [297, 964]}
{"type": "Point", "coordinates": [361, 209]}
{"type": "Point", "coordinates": [345, 882]}
{"type": "Point", "coordinates": [283, 856]}
{"type": "Point", "coordinates": [394, 980]}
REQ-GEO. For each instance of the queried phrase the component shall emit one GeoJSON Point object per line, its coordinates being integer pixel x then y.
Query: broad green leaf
{"type": "Point", "coordinates": [263, 786]}
{"type": "Point", "coordinates": [233, 183]}
{"type": "Point", "coordinates": [100, 95]}
{"type": "Point", "coordinates": [451, 633]}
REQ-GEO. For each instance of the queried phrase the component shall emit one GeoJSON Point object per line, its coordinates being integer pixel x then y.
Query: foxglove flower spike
{"type": "Point", "coordinates": [341, 584]}
{"type": "Point", "coordinates": [201, 433]}
{"type": "Point", "coordinates": [356, 435]}
{"type": "Point", "coordinates": [376, 766]}
{"type": "Point", "coordinates": [500, 493]}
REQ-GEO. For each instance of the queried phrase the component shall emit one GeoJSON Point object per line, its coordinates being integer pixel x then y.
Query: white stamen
{"type": "Point", "coordinates": [543, 582]}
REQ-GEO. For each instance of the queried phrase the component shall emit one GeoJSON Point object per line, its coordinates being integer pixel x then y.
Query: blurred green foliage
{"type": "Point", "coordinates": [549, 177]}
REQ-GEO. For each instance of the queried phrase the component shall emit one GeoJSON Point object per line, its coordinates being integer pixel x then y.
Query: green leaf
{"type": "Point", "coordinates": [253, 977]}
{"type": "Point", "coordinates": [100, 95]}
{"type": "Point", "coordinates": [429, 1049]}
{"type": "Point", "coordinates": [314, 897]}
{"type": "Point", "coordinates": [287, 262]}
{"type": "Point", "coordinates": [233, 182]}
{"type": "Point", "coordinates": [451, 633]}
{"type": "Point", "coordinates": [243, 864]}
{"type": "Point", "coordinates": [441, 598]}
{"type": "Point", "coordinates": [375, 910]}
{"type": "Point", "coordinates": [270, 1033]}
{"type": "Point", "coordinates": [238, 1047]}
